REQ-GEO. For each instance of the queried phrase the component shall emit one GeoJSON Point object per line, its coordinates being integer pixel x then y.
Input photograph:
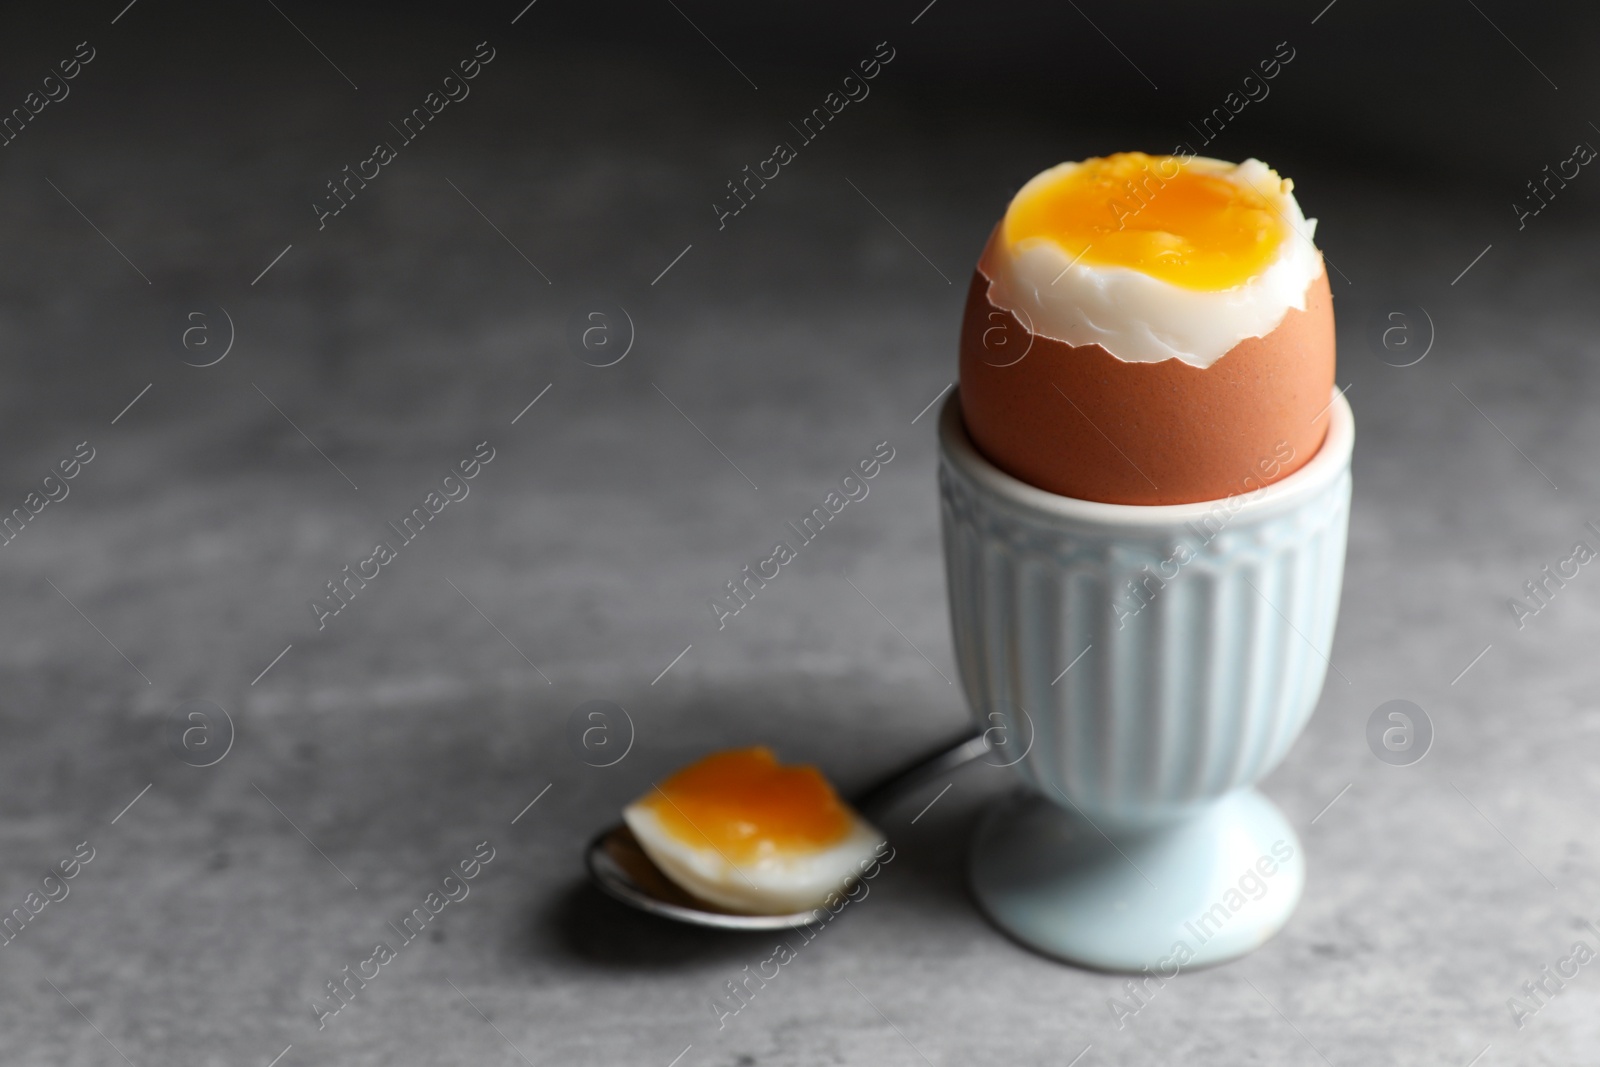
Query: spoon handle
{"type": "Point", "coordinates": [922, 771]}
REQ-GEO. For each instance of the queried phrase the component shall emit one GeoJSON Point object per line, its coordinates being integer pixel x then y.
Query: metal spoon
{"type": "Point", "coordinates": [622, 870]}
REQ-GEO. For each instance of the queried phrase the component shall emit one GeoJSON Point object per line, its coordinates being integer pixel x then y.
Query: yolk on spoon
{"type": "Point", "coordinates": [746, 805]}
{"type": "Point", "coordinates": [1159, 215]}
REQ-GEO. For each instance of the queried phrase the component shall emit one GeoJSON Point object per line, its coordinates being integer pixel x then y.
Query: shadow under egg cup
{"type": "Point", "coordinates": [1148, 665]}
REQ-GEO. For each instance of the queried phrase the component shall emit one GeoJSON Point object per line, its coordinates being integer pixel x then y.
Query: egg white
{"type": "Point", "coordinates": [1141, 319]}
{"type": "Point", "coordinates": [776, 884]}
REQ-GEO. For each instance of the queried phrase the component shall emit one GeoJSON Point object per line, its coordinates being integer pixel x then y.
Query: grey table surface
{"type": "Point", "coordinates": [428, 714]}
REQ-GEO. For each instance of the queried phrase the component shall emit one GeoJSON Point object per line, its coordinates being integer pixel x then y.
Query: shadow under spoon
{"type": "Point", "coordinates": [621, 869]}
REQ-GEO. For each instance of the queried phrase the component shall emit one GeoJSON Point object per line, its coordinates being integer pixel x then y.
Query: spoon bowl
{"type": "Point", "coordinates": [619, 866]}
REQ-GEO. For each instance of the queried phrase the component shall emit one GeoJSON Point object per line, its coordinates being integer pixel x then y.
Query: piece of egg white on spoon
{"type": "Point", "coordinates": [743, 832]}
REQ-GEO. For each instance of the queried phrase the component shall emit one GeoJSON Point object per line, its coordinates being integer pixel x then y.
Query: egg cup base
{"type": "Point", "coordinates": [1188, 894]}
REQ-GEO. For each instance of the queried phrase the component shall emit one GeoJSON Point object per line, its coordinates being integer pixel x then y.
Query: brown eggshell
{"type": "Point", "coordinates": [1079, 422]}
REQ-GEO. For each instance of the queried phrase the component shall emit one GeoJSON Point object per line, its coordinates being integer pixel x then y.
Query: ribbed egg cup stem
{"type": "Point", "coordinates": [1198, 638]}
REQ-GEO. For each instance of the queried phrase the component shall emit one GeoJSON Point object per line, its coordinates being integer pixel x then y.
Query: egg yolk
{"type": "Point", "coordinates": [746, 806]}
{"type": "Point", "coordinates": [1155, 214]}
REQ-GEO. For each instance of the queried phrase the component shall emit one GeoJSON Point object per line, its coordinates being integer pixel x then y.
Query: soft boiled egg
{"type": "Point", "coordinates": [1149, 330]}
{"type": "Point", "coordinates": [744, 832]}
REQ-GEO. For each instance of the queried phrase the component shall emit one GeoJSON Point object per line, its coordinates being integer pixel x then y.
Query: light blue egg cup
{"type": "Point", "coordinates": [1141, 667]}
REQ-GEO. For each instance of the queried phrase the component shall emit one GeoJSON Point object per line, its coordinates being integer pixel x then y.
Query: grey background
{"type": "Point", "coordinates": [414, 726]}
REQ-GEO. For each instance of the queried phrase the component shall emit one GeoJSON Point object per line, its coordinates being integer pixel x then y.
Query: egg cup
{"type": "Point", "coordinates": [1151, 663]}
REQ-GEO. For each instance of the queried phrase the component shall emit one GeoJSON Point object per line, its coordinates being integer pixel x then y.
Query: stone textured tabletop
{"type": "Point", "coordinates": [430, 320]}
